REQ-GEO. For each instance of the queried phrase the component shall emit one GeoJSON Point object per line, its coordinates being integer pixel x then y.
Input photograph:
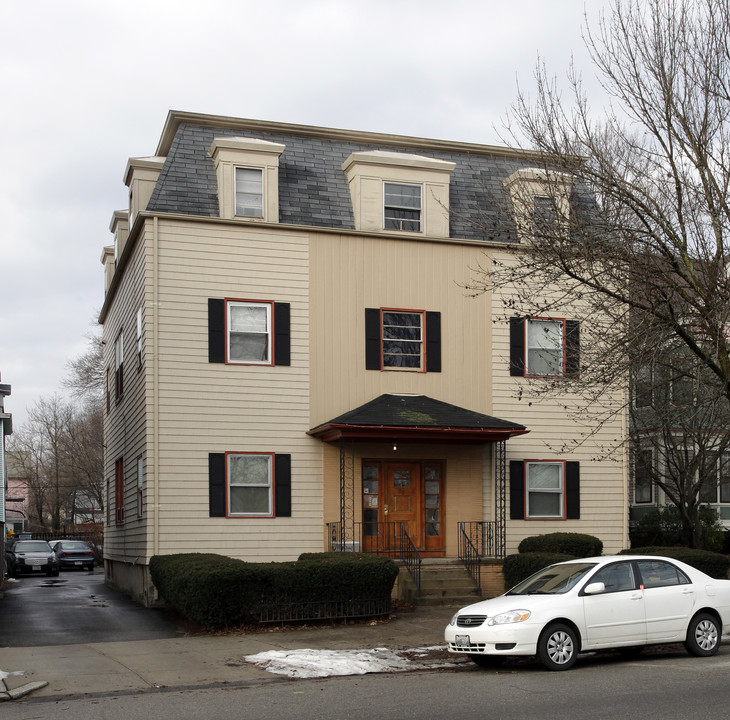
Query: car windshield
{"type": "Point", "coordinates": [553, 580]}
{"type": "Point", "coordinates": [31, 546]}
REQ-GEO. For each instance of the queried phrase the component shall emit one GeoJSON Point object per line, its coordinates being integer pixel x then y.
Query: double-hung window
{"type": "Point", "coordinates": [402, 207]}
{"type": "Point", "coordinates": [249, 332]}
{"type": "Point", "coordinates": [545, 488]}
{"type": "Point", "coordinates": [119, 366]}
{"type": "Point", "coordinates": [643, 485]}
{"type": "Point", "coordinates": [250, 486]}
{"type": "Point", "coordinates": [544, 347]}
{"type": "Point", "coordinates": [545, 352]}
{"type": "Point", "coordinates": [715, 480]}
{"type": "Point", "coordinates": [119, 491]}
{"type": "Point", "coordinates": [402, 339]}
{"type": "Point", "coordinates": [249, 192]}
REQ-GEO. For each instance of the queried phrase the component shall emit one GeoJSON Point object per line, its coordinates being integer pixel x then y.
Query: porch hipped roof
{"type": "Point", "coordinates": [416, 418]}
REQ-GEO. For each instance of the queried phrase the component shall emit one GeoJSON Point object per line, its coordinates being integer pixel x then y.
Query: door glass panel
{"type": "Point", "coordinates": [401, 478]}
{"type": "Point", "coordinates": [370, 472]}
{"type": "Point", "coordinates": [370, 487]}
{"type": "Point", "coordinates": [432, 501]}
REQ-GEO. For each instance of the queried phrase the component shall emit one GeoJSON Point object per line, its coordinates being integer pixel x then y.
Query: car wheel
{"type": "Point", "coordinates": [91, 568]}
{"type": "Point", "coordinates": [487, 661]}
{"type": "Point", "coordinates": [703, 635]}
{"type": "Point", "coordinates": [557, 647]}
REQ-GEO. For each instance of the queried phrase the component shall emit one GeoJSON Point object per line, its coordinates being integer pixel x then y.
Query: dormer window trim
{"type": "Point", "coordinates": [529, 188]}
{"type": "Point", "coordinates": [229, 154]}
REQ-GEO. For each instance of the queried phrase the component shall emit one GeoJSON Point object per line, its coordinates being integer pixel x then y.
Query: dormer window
{"type": "Point", "coordinates": [540, 202]}
{"type": "Point", "coordinates": [399, 192]}
{"type": "Point", "coordinates": [402, 207]}
{"type": "Point", "coordinates": [249, 192]}
{"type": "Point", "coordinates": [247, 170]}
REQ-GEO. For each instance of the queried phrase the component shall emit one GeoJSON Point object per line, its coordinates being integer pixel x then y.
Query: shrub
{"type": "Point", "coordinates": [713, 564]}
{"type": "Point", "coordinates": [218, 591]}
{"type": "Point", "coordinates": [518, 567]}
{"type": "Point", "coordinates": [574, 544]}
{"type": "Point", "coordinates": [663, 527]}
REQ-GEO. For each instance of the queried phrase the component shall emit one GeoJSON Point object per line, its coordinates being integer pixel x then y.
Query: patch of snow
{"type": "Point", "coordinates": [308, 663]}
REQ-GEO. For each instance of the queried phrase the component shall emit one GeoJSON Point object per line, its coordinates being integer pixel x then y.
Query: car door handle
{"type": "Point", "coordinates": [637, 596]}
{"type": "Point", "coordinates": [688, 591]}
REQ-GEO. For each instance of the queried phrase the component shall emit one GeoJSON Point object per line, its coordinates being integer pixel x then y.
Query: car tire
{"type": "Point", "coordinates": [91, 568]}
{"type": "Point", "coordinates": [703, 635]}
{"type": "Point", "coordinates": [486, 661]}
{"type": "Point", "coordinates": [557, 647]}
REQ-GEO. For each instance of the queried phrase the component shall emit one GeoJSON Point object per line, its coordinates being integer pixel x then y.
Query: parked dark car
{"type": "Point", "coordinates": [31, 556]}
{"type": "Point", "coordinates": [74, 554]}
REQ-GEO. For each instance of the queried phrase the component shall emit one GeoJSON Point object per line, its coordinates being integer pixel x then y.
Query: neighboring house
{"type": "Point", "coordinates": [680, 433]}
{"type": "Point", "coordinates": [293, 364]}
{"type": "Point", "coordinates": [17, 498]}
{"type": "Point", "coordinates": [6, 428]}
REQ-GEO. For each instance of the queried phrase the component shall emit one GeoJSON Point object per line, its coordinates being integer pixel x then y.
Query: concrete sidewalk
{"type": "Point", "coordinates": [197, 660]}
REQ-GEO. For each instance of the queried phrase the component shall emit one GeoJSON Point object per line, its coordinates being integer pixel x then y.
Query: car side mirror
{"type": "Point", "coordinates": [595, 588]}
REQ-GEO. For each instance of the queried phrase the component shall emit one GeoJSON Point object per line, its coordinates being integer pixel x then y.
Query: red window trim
{"type": "Point", "coordinates": [238, 516]}
{"type": "Point", "coordinates": [424, 363]}
{"type": "Point", "coordinates": [526, 515]}
{"type": "Point", "coordinates": [272, 338]}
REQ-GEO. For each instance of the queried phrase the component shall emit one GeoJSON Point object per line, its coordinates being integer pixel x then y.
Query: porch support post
{"type": "Point", "coordinates": [347, 493]}
{"type": "Point", "coordinates": [500, 497]}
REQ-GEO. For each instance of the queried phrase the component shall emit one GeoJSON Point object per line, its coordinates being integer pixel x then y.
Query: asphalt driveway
{"type": "Point", "coordinates": [76, 607]}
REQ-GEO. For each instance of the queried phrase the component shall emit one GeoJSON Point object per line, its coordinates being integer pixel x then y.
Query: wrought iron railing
{"type": "Point", "coordinates": [483, 535]}
{"type": "Point", "coordinates": [469, 555]}
{"type": "Point", "coordinates": [282, 610]}
{"type": "Point", "coordinates": [380, 538]}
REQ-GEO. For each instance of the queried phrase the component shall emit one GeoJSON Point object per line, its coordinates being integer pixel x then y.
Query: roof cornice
{"type": "Point", "coordinates": [175, 118]}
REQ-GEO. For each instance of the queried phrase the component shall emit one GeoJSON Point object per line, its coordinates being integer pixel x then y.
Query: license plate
{"type": "Point", "coordinates": [78, 562]}
{"type": "Point", "coordinates": [462, 641]}
{"type": "Point", "coordinates": [36, 567]}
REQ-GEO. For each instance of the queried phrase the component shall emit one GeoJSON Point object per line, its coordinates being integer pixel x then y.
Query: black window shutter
{"type": "Point", "coordinates": [372, 339]}
{"type": "Point", "coordinates": [217, 484]}
{"type": "Point", "coordinates": [572, 490]}
{"type": "Point", "coordinates": [282, 485]}
{"type": "Point", "coordinates": [433, 342]}
{"type": "Point", "coordinates": [216, 330]}
{"type": "Point", "coordinates": [572, 347]}
{"type": "Point", "coordinates": [516, 490]}
{"type": "Point", "coordinates": [517, 346]}
{"type": "Point", "coordinates": [282, 334]}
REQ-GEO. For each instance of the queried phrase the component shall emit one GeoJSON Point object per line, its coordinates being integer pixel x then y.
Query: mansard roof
{"type": "Point", "coordinates": [313, 188]}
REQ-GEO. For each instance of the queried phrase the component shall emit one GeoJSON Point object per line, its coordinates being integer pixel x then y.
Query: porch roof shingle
{"type": "Point", "coordinates": [416, 418]}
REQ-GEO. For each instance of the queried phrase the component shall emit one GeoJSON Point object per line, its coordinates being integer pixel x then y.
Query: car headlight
{"type": "Point", "coordinates": [453, 619]}
{"type": "Point", "coordinates": [511, 616]}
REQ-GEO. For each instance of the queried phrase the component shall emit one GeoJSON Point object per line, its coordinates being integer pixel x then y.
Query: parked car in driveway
{"type": "Point", "coordinates": [31, 556]}
{"type": "Point", "coordinates": [74, 554]}
{"type": "Point", "coordinates": [616, 602]}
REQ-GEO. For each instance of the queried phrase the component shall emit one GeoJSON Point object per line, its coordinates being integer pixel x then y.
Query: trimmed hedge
{"type": "Point", "coordinates": [518, 567]}
{"type": "Point", "coordinates": [575, 544]}
{"type": "Point", "coordinates": [713, 564]}
{"type": "Point", "coordinates": [218, 591]}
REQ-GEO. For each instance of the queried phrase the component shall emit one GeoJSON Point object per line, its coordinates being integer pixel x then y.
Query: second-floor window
{"type": "Point", "coordinates": [643, 485]}
{"type": "Point", "coordinates": [398, 339]}
{"type": "Point", "coordinates": [402, 207]}
{"type": "Point", "coordinates": [119, 366]}
{"type": "Point", "coordinates": [249, 332]}
{"type": "Point", "coordinates": [544, 347]}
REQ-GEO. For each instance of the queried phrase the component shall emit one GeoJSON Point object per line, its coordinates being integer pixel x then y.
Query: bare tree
{"type": "Point", "coordinates": [86, 372]}
{"type": "Point", "coordinates": [642, 244]}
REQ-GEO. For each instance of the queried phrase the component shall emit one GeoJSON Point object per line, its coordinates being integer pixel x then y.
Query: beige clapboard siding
{"type": "Point", "coordinates": [206, 407]}
{"type": "Point", "coordinates": [351, 273]}
{"type": "Point", "coordinates": [125, 425]}
{"type": "Point", "coordinates": [603, 480]}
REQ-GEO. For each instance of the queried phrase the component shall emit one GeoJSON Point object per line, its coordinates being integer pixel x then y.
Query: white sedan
{"type": "Point", "coordinates": [621, 601]}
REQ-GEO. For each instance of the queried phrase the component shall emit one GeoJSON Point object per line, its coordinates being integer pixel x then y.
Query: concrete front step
{"type": "Point", "coordinates": [443, 582]}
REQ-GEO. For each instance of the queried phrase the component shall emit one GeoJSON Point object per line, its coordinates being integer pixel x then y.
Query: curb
{"type": "Point", "coordinates": [21, 691]}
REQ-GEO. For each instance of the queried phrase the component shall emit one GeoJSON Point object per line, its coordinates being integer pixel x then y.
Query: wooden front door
{"type": "Point", "coordinates": [402, 500]}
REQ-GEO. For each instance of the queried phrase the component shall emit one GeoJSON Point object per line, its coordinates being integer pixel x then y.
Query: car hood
{"type": "Point", "coordinates": [503, 603]}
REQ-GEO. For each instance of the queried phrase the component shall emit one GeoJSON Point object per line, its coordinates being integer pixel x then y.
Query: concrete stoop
{"type": "Point", "coordinates": [443, 582]}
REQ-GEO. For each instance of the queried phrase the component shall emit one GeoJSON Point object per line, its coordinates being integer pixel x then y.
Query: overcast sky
{"type": "Point", "coordinates": [86, 84]}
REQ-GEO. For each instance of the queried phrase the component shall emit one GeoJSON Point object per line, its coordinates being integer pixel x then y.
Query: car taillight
{"type": "Point", "coordinates": [63, 554]}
